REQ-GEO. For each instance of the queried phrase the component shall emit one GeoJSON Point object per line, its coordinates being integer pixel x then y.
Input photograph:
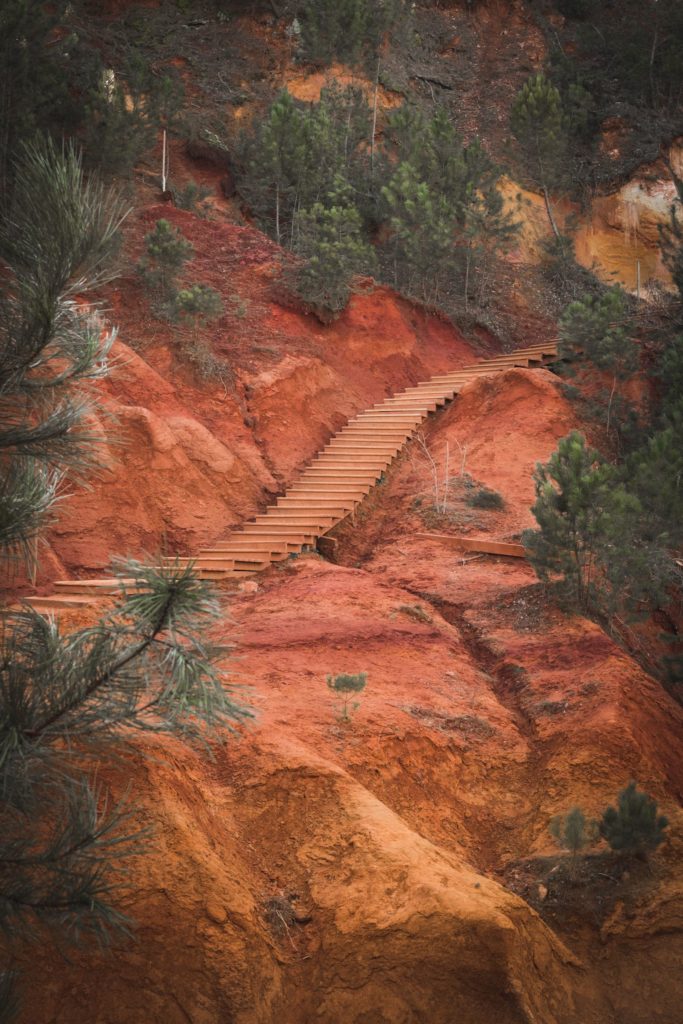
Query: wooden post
{"type": "Point", "coordinates": [638, 279]}
{"type": "Point", "coordinates": [164, 161]}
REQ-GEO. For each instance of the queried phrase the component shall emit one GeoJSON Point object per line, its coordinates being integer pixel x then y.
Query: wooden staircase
{"type": "Point", "coordinates": [329, 489]}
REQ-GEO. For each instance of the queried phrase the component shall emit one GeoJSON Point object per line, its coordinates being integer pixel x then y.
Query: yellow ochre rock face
{"type": "Point", "coordinates": [617, 236]}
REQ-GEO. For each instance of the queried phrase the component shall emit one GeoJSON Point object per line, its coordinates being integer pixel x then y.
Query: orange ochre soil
{"type": "Point", "coordinates": [397, 868]}
{"type": "Point", "coordinates": [384, 870]}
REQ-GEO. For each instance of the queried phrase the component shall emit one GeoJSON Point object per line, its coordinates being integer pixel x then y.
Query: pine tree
{"type": "Point", "coordinates": [421, 245]}
{"type": "Point", "coordinates": [45, 69]}
{"type": "Point", "coordinates": [57, 240]}
{"type": "Point", "coordinates": [347, 30]}
{"type": "Point", "coordinates": [442, 204]}
{"type": "Point", "coordinates": [633, 827]}
{"type": "Point", "coordinates": [68, 700]}
{"type": "Point", "coordinates": [655, 475]}
{"type": "Point", "coordinates": [671, 244]}
{"type": "Point", "coordinates": [295, 157]}
{"type": "Point", "coordinates": [670, 373]}
{"type": "Point", "coordinates": [329, 239]}
{"type": "Point", "coordinates": [126, 112]}
{"type": "Point", "coordinates": [594, 328]}
{"type": "Point", "coordinates": [154, 662]}
{"type": "Point", "coordinates": [167, 252]}
{"type": "Point", "coordinates": [338, 129]}
{"type": "Point", "coordinates": [573, 832]}
{"type": "Point", "coordinates": [539, 123]}
{"type": "Point", "coordinates": [275, 164]}
{"type": "Point", "coordinates": [588, 528]}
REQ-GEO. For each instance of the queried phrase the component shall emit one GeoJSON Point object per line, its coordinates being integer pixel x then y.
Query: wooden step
{"type": "Point", "coordinates": [238, 548]}
{"type": "Point", "coordinates": [360, 447]}
{"type": "Point", "coordinates": [361, 459]}
{"type": "Point", "coordinates": [483, 545]}
{"type": "Point", "coordinates": [280, 530]}
{"type": "Point", "coordinates": [381, 418]}
{"type": "Point", "coordinates": [339, 469]}
{"type": "Point", "coordinates": [316, 517]}
{"type": "Point", "coordinates": [239, 558]}
{"type": "Point", "coordinates": [348, 462]}
{"type": "Point", "coordinates": [259, 541]}
{"type": "Point", "coordinates": [436, 396]}
{"type": "Point", "coordinates": [210, 563]}
{"type": "Point", "coordinates": [290, 501]}
{"type": "Point", "coordinates": [407, 405]}
{"type": "Point", "coordinates": [302, 519]}
{"type": "Point", "coordinates": [374, 434]}
{"type": "Point", "coordinates": [60, 602]}
{"type": "Point", "coordinates": [313, 490]}
{"type": "Point", "coordinates": [95, 587]}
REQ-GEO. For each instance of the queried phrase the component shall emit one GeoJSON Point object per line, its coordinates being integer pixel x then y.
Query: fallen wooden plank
{"type": "Point", "coordinates": [481, 544]}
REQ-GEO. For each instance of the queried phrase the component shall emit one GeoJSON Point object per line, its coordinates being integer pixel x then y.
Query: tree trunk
{"type": "Point", "coordinates": [609, 404]}
{"type": "Point", "coordinates": [277, 212]}
{"type": "Point", "coordinates": [374, 122]}
{"type": "Point", "coordinates": [549, 211]}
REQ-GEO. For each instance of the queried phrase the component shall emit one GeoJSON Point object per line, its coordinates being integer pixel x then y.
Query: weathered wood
{"type": "Point", "coordinates": [480, 544]}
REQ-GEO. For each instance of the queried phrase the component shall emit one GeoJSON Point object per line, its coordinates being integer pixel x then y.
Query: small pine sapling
{"type": "Point", "coordinates": [167, 252]}
{"type": "Point", "coordinates": [192, 197]}
{"type": "Point", "coordinates": [198, 304]}
{"type": "Point", "coordinates": [573, 832]}
{"type": "Point", "coordinates": [633, 828]}
{"type": "Point", "coordinates": [343, 686]}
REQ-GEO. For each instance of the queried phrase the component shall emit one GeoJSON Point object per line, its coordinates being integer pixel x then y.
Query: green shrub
{"type": "Point", "coordinates": [197, 304]}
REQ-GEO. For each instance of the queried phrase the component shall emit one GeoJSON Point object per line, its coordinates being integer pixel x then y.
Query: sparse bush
{"type": "Point", "coordinates": [634, 828]}
{"type": "Point", "coordinates": [484, 497]}
{"type": "Point", "coordinates": [206, 364]}
{"type": "Point", "coordinates": [343, 686]}
{"type": "Point", "coordinates": [416, 611]}
{"type": "Point", "coordinates": [167, 252]}
{"type": "Point", "coordinates": [560, 268]}
{"type": "Point", "coordinates": [280, 914]}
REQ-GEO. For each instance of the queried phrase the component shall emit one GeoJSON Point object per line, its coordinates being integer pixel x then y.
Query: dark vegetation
{"type": "Point", "coordinates": [321, 183]}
